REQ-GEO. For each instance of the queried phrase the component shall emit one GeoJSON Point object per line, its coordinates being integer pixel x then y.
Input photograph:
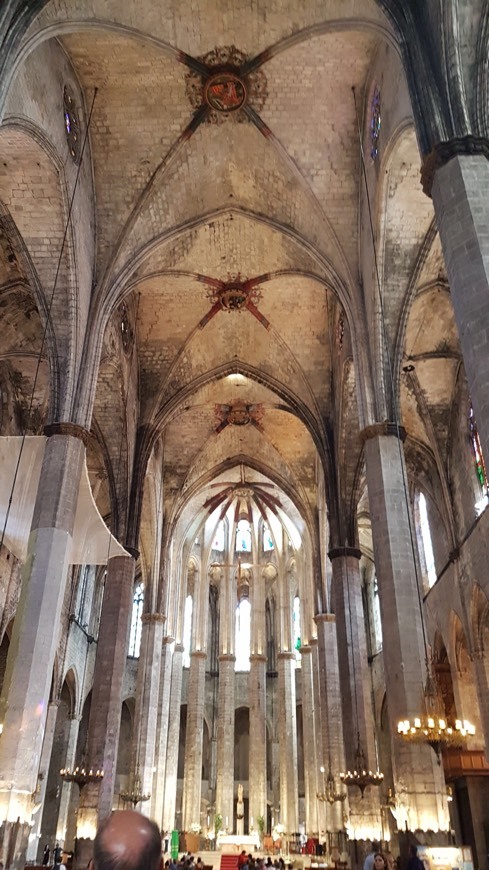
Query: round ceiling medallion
{"type": "Point", "coordinates": [225, 92]}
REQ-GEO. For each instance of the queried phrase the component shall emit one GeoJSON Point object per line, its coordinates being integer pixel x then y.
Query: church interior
{"type": "Point", "coordinates": [244, 424]}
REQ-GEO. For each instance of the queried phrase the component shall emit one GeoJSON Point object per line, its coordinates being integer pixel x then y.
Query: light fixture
{"type": "Point", "coordinates": [81, 775]}
{"type": "Point", "coordinates": [329, 792]}
{"type": "Point", "coordinates": [134, 793]}
{"type": "Point", "coordinates": [433, 726]}
{"type": "Point", "coordinates": [360, 776]}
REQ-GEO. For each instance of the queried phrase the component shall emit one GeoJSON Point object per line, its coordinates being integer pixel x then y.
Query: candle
{"type": "Point", "coordinates": [252, 821]}
{"type": "Point", "coordinates": [227, 821]}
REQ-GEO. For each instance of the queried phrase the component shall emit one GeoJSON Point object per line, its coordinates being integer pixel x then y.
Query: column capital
{"type": "Point", "coordinates": [198, 654]}
{"type": "Point", "coordinates": [336, 552]}
{"type": "Point", "coordinates": [384, 428]}
{"type": "Point", "coordinates": [324, 617]}
{"type": "Point", "coordinates": [226, 657]}
{"type": "Point", "coordinates": [285, 656]}
{"type": "Point", "coordinates": [169, 639]}
{"type": "Point", "coordinates": [305, 650]}
{"type": "Point", "coordinates": [258, 657]}
{"type": "Point", "coordinates": [442, 152]}
{"type": "Point", "coordinates": [69, 429]}
{"type": "Point", "coordinates": [153, 618]}
{"type": "Point", "coordinates": [132, 551]}
{"type": "Point", "coordinates": [179, 647]}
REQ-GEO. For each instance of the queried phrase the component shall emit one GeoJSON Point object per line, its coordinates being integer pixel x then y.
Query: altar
{"type": "Point", "coordinates": [237, 842]}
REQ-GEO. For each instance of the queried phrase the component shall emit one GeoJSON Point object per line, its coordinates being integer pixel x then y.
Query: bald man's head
{"type": "Point", "coordinates": [126, 840]}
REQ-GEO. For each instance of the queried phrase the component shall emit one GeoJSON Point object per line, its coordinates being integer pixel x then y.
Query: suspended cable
{"type": "Point", "coordinates": [48, 317]}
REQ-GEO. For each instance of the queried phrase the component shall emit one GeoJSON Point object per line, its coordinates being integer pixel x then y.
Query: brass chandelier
{"type": "Point", "coordinates": [134, 793]}
{"type": "Point", "coordinates": [433, 726]}
{"type": "Point", "coordinates": [360, 776]}
{"type": "Point", "coordinates": [81, 775]}
{"type": "Point", "coordinates": [329, 792]}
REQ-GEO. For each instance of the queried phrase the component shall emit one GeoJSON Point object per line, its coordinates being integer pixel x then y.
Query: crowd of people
{"type": "Point", "coordinates": [127, 840]}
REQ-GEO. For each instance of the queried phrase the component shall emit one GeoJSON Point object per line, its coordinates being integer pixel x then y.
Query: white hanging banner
{"type": "Point", "coordinates": [92, 542]}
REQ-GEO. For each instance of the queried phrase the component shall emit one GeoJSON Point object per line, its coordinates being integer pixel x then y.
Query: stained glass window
{"type": "Point", "coordinates": [480, 467]}
{"type": "Point", "coordinates": [429, 557]}
{"type": "Point", "coordinates": [218, 542]}
{"type": "Point", "coordinates": [376, 616]}
{"type": "Point", "coordinates": [243, 635]}
{"type": "Point", "coordinates": [243, 537]}
{"type": "Point", "coordinates": [136, 623]}
{"type": "Point", "coordinates": [187, 630]}
{"type": "Point", "coordinates": [267, 540]}
{"type": "Point", "coordinates": [72, 127]}
{"type": "Point", "coordinates": [375, 123]}
{"type": "Point", "coordinates": [296, 628]}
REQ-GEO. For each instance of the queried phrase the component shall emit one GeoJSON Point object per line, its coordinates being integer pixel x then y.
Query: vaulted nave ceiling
{"type": "Point", "coordinates": [197, 213]}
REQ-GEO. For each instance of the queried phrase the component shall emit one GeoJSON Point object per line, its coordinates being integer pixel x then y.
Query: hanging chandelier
{"type": "Point", "coordinates": [360, 776]}
{"type": "Point", "coordinates": [433, 726]}
{"type": "Point", "coordinates": [329, 792]}
{"type": "Point", "coordinates": [134, 793]}
{"type": "Point", "coordinates": [81, 775]}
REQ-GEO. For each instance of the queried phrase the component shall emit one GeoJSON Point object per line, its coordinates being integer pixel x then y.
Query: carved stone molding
{"type": "Point", "coordinates": [336, 552]}
{"type": "Point", "coordinates": [384, 428]}
{"type": "Point", "coordinates": [442, 152]}
{"type": "Point", "coordinates": [68, 429]}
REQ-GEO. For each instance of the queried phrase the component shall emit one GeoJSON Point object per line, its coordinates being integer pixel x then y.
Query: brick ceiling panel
{"type": "Point", "coordinates": [313, 116]}
{"type": "Point", "coordinates": [30, 188]}
{"type": "Point", "coordinates": [196, 27]}
{"type": "Point", "coordinates": [231, 242]}
{"type": "Point", "coordinates": [139, 111]}
{"type": "Point", "coordinates": [406, 221]}
{"type": "Point", "coordinates": [230, 166]}
{"type": "Point", "coordinates": [237, 336]}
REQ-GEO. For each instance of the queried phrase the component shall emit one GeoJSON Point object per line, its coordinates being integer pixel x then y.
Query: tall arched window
{"type": "Point", "coordinates": [267, 539]}
{"type": "Point", "coordinates": [243, 537]}
{"type": "Point", "coordinates": [136, 623]}
{"type": "Point", "coordinates": [243, 635]}
{"type": "Point", "coordinates": [429, 558]}
{"type": "Point", "coordinates": [187, 630]}
{"type": "Point", "coordinates": [376, 615]}
{"type": "Point", "coordinates": [480, 468]}
{"type": "Point", "coordinates": [296, 626]}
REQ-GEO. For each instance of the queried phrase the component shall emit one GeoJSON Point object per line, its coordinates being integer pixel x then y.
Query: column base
{"type": "Point", "coordinates": [83, 853]}
{"type": "Point", "coordinates": [14, 840]}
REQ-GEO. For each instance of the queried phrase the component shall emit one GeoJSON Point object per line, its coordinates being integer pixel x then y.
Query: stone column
{"type": "Point", "coordinates": [287, 735]}
{"type": "Point", "coordinates": [356, 686]}
{"type": "Point", "coordinates": [68, 789]}
{"type": "Point", "coordinates": [331, 712]}
{"type": "Point", "coordinates": [225, 738]}
{"type": "Point", "coordinates": [309, 741]}
{"type": "Point", "coordinates": [460, 191]}
{"type": "Point", "coordinates": [258, 739]}
{"type": "Point", "coordinates": [105, 711]}
{"type": "Point", "coordinates": [165, 708]}
{"type": "Point", "coordinates": [40, 793]}
{"type": "Point", "coordinates": [170, 793]}
{"type": "Point", "coordinates": [257, 687]}
{"type": "Point", "coordinates": [225, 698]}
{"type": "Point", "coordinates": [193, 746]}
{"type": "Point", "coordinates": [25, 694]}
{"type": "Point", "coordinates": [417, 775]}
{"type": "Point", "coordinates": [147, 698]}
{"type": "Point", "coordinates": [482, 687]}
